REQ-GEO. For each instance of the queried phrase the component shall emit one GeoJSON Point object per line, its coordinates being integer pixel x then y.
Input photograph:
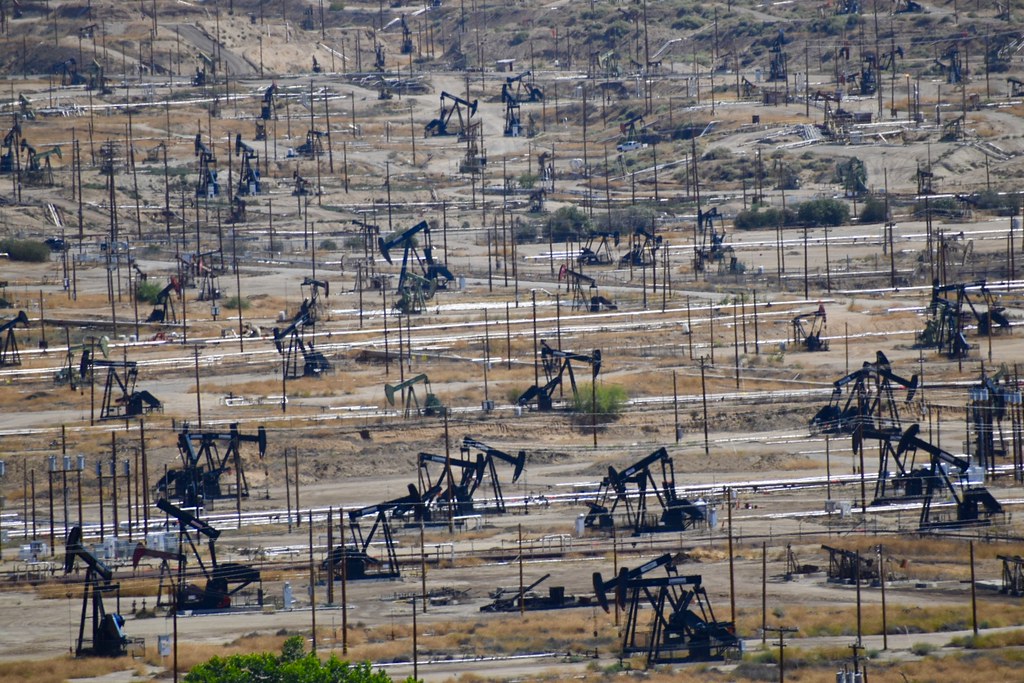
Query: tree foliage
{"type": "Point", "coordinates": [293, 665]}
{"type": "Point", "coordinates": [873, 211]}
{"type": "Point", "coordinates": [25, 250]}
{"type": "Point", "coordinates": [852, 174]}
{"type": "Point", "coordinates": [611, 399]}
{"type": "Point", "coordinates": [757, 218]}
{"type": "Point", "coordinates": [823, 212]}
{"type": "Point", "coordinates": [568, 223]}
{"type": "Point", "coordinates": [629, 219]}
{"type": "Point", "coordinates": [147, 291]}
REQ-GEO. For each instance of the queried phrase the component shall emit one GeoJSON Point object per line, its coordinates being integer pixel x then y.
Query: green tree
{"type": "Point", "coordinates": [823, 212]}
{"type": "Point", "coordinates": [611, 399]}
{"type": "Point", "coordinates": [629, 219]}
{"type": "Point", "coordinates": [770, 217]}
{"type": "Point", "coordinates": [568, 223]}
{"type": "Point", "coordinates": [852, 174]}
{"type": "Point", "coordinates": [25, 250]}
{"type": "Point", "coordinates": [873, 211]}
{"type": "Point", "coordinates": [293, 665]}
{"type": "Point", "coordinates": [147, 291]}
{"type": "Point", "coordinates": [527, 180]}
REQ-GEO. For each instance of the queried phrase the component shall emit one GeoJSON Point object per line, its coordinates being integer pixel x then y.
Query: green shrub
{"type": "Point", "coordinates": [293, 664]}
{"type": "Point", "coordinates": [524, 231]}
{"type": "Point", "coordinates": [329, 245]}
{"type": "Point", "coordinates": [823, 212]}
{"type": "Point", "coordinates": [922, 649]}
{"type": "Point", "coordinates": [873, 211]}
{"type": "Point", "coordinates": [25, 250]}
{"type": "Point", "coordinates": [611, 399]}
{"type": "Point", "coordinates": [235, 303]}
{"type": "Point", "coordinates": [147, 291]}
{"type": "Point", "coordinates": [630, 219]}
{"type": "Point", "coordinates": [512, 394]}
{"type": "Point", "coordinates": [568, 223]}
{"type": "Point", "coordinates": [757, 218]}
{"type": "Point", "coordinates": [947, 207]}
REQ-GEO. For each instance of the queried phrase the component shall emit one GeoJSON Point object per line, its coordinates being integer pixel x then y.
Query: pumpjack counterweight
{"type": "Point", "coordinates": [224, 580]}
{"type": "Point", "coordinates": [301, 359]}
{"type": "Point", "coordinates": [644, 495]}
{"type": "Point", "coordinates": [106, 636]}
{"type": "Point", "coordinates": [199, 478]}
{"type": "Point", "coordinates": [9, 353]}
{"type": "Point", "coordinates": [353, 560]}
{"type": "Point", "coordinates": [682, 625]}
{"type": "Point", "coordinates": [415, 288]}
{"type": "Point", "coordinates": [557, 364]}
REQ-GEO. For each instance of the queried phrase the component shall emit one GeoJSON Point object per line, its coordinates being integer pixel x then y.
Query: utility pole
{"type": "Point", "coordinates": [704, 401]}
{"type": "Point", "coordinates": [782, 631]}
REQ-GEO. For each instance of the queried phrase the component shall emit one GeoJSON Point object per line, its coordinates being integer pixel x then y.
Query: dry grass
{"type": "Point", "coordinates": [990, 641]}
{"type": "Point", "coordinates": [500, 634]}
{"type": "Point", "coordinates": [841, 620]}
{"type": "Point", "coordinates": [931, 558]}
{"type": "Point", "coordinates": [63, 668]}
{"type": "Point", "coordinates": [196, 653]}
{"type": "Point", "coordinates": [819, 666]}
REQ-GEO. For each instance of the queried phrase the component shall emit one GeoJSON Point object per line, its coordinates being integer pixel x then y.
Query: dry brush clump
{"type": "Point", "coordinates": [841, 620]}
{"type": "Point", "coordinates": [61, 669]}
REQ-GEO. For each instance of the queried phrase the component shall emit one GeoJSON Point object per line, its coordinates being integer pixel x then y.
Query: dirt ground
{"type": "Point", "coordinates": [707, 360]}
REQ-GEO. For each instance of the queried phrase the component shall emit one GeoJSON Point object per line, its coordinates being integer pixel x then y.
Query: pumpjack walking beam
{"type": "Point", "coordinates": [165, 594]}
{"type": "Point", "coordinates": [107, 638]}
{"type": "Point", "coordinates": [972, 500]}
{"type": "Point", "coordinates": [249, 175]}
{"type": "Point", "coordinates": [410, 402]}
{"type": "Point", "coordinates": [890, 486]}
{"type": "Point", "coordinates": [120, 398]}
{"type": "Point", "coordinates": [849, 565]}
{"type": "Point", "coordinates": [11, 146]}
{"type": "Point", "coordinates": [433, 274]}
{"type": "Point", "coordinates": [712, 239]}
{"type": "Point", "coordinates": [945, 329]}
{"type": "Point", "coordinates": [456, 108]}
{"type": "Point", "coordinates": [164, 311]}
{"type": "Point", "coordinates": [451, 493]}
{"type": "Point", "coordinates": [809, 336]}
{"type": "Point", "coordinates": [556, 364]}
{"type": "Point", "coordinates": [198, 480]}
{"type": "Point", "coordinates": [677, 514]}
{"type": "Point", "coordinates": [521, 88]}
{"type": "Point", "coordinates": [207, 185]}
{"type": "Point", "coordinates": [598, 254]}
{"type": "Point", "coordinates": [683, 626]}
{"type": "Point", "coordinates": [490, 455]}
{"type": "Point", "coordinates": [644, 245]}
{"type": "Point", "coordinates": [870, 400]}
{"type": "Point", "coordinates": [585, 294]}
{"type": "Point", "coordinates": [355, 559]}
{"type": "Point", "coordinates": [223, 579]}
{"type": "Point", "coordinates": [9, 353]}
{"type": "Point", "coordinates": [314, 363]}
